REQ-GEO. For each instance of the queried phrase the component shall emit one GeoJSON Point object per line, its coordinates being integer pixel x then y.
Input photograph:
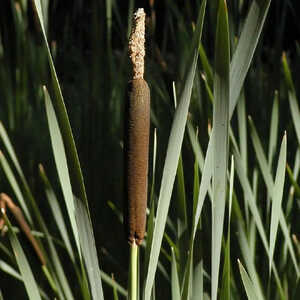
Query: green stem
{"type": "Point", "coordinates": [133, 271]}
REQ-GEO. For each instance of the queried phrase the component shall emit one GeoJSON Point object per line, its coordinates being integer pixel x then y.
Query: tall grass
{"type": "Point", "coordinates": [223, 197]}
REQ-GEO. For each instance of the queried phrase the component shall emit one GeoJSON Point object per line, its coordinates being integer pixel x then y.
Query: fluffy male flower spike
{"type": "Point", "coordinates": [137, 44]}
{"type": "Point", "coordinates": [136, 142]}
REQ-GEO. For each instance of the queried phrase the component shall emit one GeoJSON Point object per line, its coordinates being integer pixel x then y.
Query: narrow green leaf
{"type": "Point", "coordinates": [225, 290]}
{"type": "Point", "coordinates": [277, 199]}
{"type": "Point", "coordinates": [204, 184]}
{"type": "Point", "coordinates": [270, 186]}
{"type": "Point", "coordinates": [15, 186]}
{"type": "Point", "coordinates": [254, 210]}
{"type": "Point", "coordinates": [88, 247]}
{"type": "Point", "coordinates": [206, 66]}
{"type": "Point", "coordinates": [273, 130]}
{"type": "Point", "coordinates": [25, 269]}
{"type": "Point", "coordinates": [245, 49]}
{"type": "Point", "coordinates": [62, 283]}
{"type": "Point", "coordinates": [16, 275]}
{"type": "Point", "coordinates": [61, 164]}
{"type": "Point", "coordinates": [249, 260]}
{"type": "Point", "coordinates": [293, 181]}
{"type": "Point", "coordinates": [242, 123]}
{"type": "Point", "coordinates": [5, 267]}
{"type": "Point", "coordinates": [294, 107]}
{"type": "Point", "coordinates": [170, 167]}
{"type": "Point", "coordinates": [113, 283]}
{"type": "Point", "coordinates": [56, 211]}
{"type": "Point", "coordinates": [220, 142]}
{"type": "Point", "coordinates": [174, 278]}
{"type": "Point", "coordinates": [248, 284]}
{"type": "Point", "coordinates": [9, 148]}
{"type": "Point", "coordinates": [198, 293]}
{"type": "Point", "coordinates": [150, 221]}
{"type": "Point", "coordinates": [250, 197]}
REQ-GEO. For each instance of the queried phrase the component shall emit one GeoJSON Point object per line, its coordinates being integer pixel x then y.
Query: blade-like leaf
{"type": "Point", "coordinates": [220, 142]}
{"type": "Point", "coordinates": [270, 186]}
{"type": "Point", "coordinates": [10, 270]}
{"type": "Point", "coordinates": [25, 269]}
{"type": "Point", "coordinates": [245, 49]}
{"type": "Point", "coordinates": [273, 130]}
{"type": "Point", "coordinates": [113, 283]}
{"type": "Point", "coordinates": [56, 211]}
{"type": "Point", "coordinates": [174, 279]}
{"type": "Point", "coordinates": [246, 252]}
{"type": "Point", "coordinates": [88, 247]}
{"type": "Point", "coordinates": [61, 163]}
{"type": "Point", "coordinates": [277, 198]}
{"type": "Point", "coordinates": [9, 148]}
{"type": "Point", "coordinates": [15, 186]}
{"type": "Point", "coordinates": [198, 282]}
{"type": "Point", "coordinates": [248, 284]}
{"type": "Point", "coordinates": [172, 157]}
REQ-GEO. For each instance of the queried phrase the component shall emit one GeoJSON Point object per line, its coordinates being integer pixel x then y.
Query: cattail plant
{"type": "Point", "coordinates": [136, 148]}
{"type": "Point", "coordinates": [137, 136]}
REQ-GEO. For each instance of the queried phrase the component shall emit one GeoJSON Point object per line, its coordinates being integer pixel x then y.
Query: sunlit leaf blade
{"type": "Point", "coordinates": [277, 199]}
{"type": "Point", "coordinates": [220, 141]}
{"type": "Point", "coordinates": [25, 269]}
{"type": "Point", "coordinates": [248, 284]}
{"type": "Point", "coordinates": [88, 247]}
{"type": "Point", "coordinates": [62, 283]}
{"type": "Point", "coordinates": [205, 182]}
{"type": "Point", "coordinates": [246, 252]}
{"type": "Point", "coordinates": [56, 211]}
{"type": "Point", "coordinates": [9, 148]}
{"type": "Point", "coordinates": [245, 49]}
{"type": "Point", "coordinates": [171, 162]}
{"type": "Point", "coordinates": [174, 278]}
{"type": "Point", "coordinates": [187, 287]}
{"type": "Point", "coordinates": [225, 291]}
{"type": "Point", "coordinates": [10, 270]}
{"type": "Point", "coordinates": [15, 186]}
{"type": "Point", "coordinates": [250, 197]}
{"type": "Point", "coordinates": [150, 221]}
{"type": "Point", "coordinates": [270, 186]}
{"type": "Point", "coordinates": [61, 163]}
{"type": "Point", "coordinates": [198, 282]}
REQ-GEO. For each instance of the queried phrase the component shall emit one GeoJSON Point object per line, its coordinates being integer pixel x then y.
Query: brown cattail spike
{"type": "Point", "coordinates": [137, 136]}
